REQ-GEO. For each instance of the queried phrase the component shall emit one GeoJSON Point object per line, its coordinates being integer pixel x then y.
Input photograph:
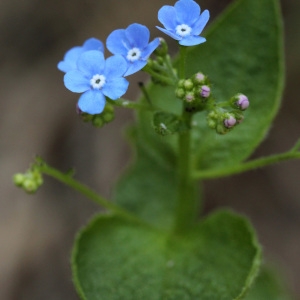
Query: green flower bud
{"type": "Point", "coordinates": [221, 129]}
{"type": "Point", "coordinates": [98, 121]}
{"type": "Point", "coordinates": [162, 49]}
{"type": "Point", "coordinates": [108, 117]}
{"type": "Point", "coordinates": [18, 179]}
{"type": "Point", "coordinates": [188, 84]}
{"type": "Point", "coordinates": [181, 83]}
{"type": "Point", "coordinates": [180, 93]}
{"type": "Point", "coordinates": [30, 186]}
{"type": "Point", "coordinates": [211, 123]}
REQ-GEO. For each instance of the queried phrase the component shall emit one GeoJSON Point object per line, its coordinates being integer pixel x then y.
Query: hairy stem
{"type": "Point", "coordinates": [251, 165]}
{"type": "Point", "coordinates": [84, 190]}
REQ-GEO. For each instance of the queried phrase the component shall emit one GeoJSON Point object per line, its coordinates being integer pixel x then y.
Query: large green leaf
{"type": "Point", "coordinates": [243, 53]}
{"type": "Point", "coordinates": [148, 189]}
{"type": "Point", "coordinates": [117, 259]}
{"type": "Point", "coordinates": [268, 285]}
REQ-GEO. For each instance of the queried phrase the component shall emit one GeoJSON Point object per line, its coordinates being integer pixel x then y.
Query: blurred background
{"type": "Point", "coordinates": [38, 117]}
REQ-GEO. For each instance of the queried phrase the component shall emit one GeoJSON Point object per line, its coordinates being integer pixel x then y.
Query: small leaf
{"type": "Point", "coordinates": [117, 259]}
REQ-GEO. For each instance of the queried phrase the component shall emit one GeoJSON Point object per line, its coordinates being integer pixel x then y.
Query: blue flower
{"type": "Point", "coordinates": [133, 44]}
{"type": "Point", "coordinates": [71, 56]}
{"type": "Point", "coordinates": [183, 22]}
{"type": "Point", "coordinates": [96, 78]}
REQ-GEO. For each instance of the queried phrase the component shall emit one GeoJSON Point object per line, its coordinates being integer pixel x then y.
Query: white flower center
{"type": "Point", "coordinates": [183, 30]}
{"type": "Point", "coordinates": [98, 81]}
{"type": "Point", "coordinates": [134, 54]}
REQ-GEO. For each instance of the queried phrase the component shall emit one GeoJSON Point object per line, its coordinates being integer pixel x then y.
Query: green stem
{"type": "Point", "coordinates": [182, 55]}
{"type": "Point", "coordinates": [170, 68]}
{"type": "Point", "coordinates": [251, 165]}
{"type": "Point", "coordinates": [133, 105]}
{"type": "Point", "coordinates": [145, 93]}
{"type": "Point", "coordinates": [187, 203]}
{"type": "Point", "coordinates": [84, 190]}
{"type": "Point", "coordinates": [158, 76]}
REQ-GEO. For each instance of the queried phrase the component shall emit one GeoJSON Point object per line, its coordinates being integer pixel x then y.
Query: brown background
{"type": "Point", "coordinates": [38, 117]}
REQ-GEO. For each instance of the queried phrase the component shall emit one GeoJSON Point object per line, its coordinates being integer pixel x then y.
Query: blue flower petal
{"type": "Point", "coordinates": [93, 44]}
{"type": "Point", "coordinates": [92, 102]}
{"type": "Point", "coordinates": [187, 11]}
{"type": "Point", "coordinates": [201, 22]}
{"type": "Point", "coordinates": [166, 16]}
{"type": "Point", "coordinates": [70, 59]}
{"type": "Point", "coordinates": [76, 81]}
{"type": "Point", "coordinates": [150, 48]}
{"type": "Point", "coordinates": [170, 33]}
{"type": "Point", "coordinates": [138, 35]}
{"type": "Point", "coordinates": [115, 88]}
{"type": "Point", "coordinates": [117, 42]}
{"type": "Point", "coordinates": [135, 66]}
{"type": "Point", "coordinates": [115, 66]}
{"type": "Point", "coordinates": [192, 41]}
{"type": "Point", "coordinates": [91, 62]}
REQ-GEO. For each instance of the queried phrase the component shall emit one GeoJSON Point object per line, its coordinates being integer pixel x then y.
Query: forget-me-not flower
{"type": "Point", "coordinates": [96, 78]}
{"type": "Point", "coordinates": [183, 22]}
{"type": "Point", "coordinates": [133, 44]}
{"type": "Point", "coordinates": [70, 59]}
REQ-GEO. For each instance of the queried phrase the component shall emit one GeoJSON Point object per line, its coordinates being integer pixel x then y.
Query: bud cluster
{"type": "Point", "coordinates": [194, 91]}
{"type": "Point", "coordinates": [29, 181]}
{"type": "Point", "coordinates": [223, 120]}
{"type": "Point", "coordinates": [99, 120]}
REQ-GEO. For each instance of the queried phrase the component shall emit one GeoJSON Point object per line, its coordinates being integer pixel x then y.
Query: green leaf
{"type": "Point", "coordinates": [148, 189]}
{"type": "Point", "coordinates": [116, 259]}
{"type": "Point", "coordinates": [268, 285]}
{"type": "Point", "coordinates": [243, 53]}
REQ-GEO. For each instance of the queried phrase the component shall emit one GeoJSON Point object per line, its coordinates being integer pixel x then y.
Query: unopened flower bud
{"type": "Point", "coordinates": [162, 49]}
{"type": "Point", "coordinates": [229, 122]}
{"type": "Point", "coordinates": [189, 97]}
{"type": "Point", "coordinates": [242, 102]}
{"type": "Point", "coordinates": [199, 77]}
{"type": "Point", "coordinates": [30, 186]}
{"type": "Point", "coordinates": [238, 116]}
{"type": "Point", "coordinates": [97, 121]}
{"type": "Point", "coordinates": [220, 129]}
{"type": "Point", "coordinates": [188, 84]}
{"type": "Point", "coordinates": [211, 123]}
{"type": "Point", "coordinates": [213, 115]}
{"type": "Point", "coordinates": [19, 179]}
{"type": "Point", "coordinates": [108, 117]}
{"type": "Point", "coordinates": [180, 83]}
{"type": "Point", "coordinates": [180, 93]}
{"type": "Point", "coordinates": [205, 91]}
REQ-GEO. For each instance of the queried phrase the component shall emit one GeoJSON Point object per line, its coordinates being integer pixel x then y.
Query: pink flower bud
{"type": "Point", "coordinates": [242, 102]}
{"type": "Point", "coordinates": [199, 77]}
{"type": "Point", "coordinates": [205, 91]}
{"type": "Point", "coordinates": [189, 97]}
{"type": "Point", "coordinates": [229, 122]}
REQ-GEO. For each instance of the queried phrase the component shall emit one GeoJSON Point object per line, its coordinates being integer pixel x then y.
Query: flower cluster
{"type": "Point", "coordinates": [88, 72]}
